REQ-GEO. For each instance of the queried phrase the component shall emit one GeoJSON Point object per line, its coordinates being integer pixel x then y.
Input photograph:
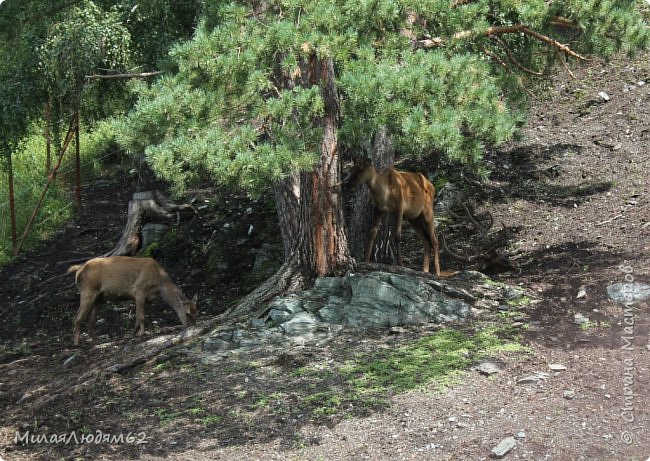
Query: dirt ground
{"type": "Point", "coordinates": [575, 187]}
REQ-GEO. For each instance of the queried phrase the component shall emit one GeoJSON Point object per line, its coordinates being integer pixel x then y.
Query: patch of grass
{"type": "Point", "coordinates": [433, 363]}
{"type": "Point", "coordinates": [510, 314]}
{"type": "Point", "coordinates": [519, 301]}
{"type": "Point", "coordinates": [22, 349]}
{"type": "Point", "coordinates": [593, 325]}
{"type": "Point", "coordinates": [324, 403]}
{"type": "Point", "coordinates": [166, 416]}
{"type": "Point", "coordinates": [211, 420]}
{"type": "Point", "coordinates": [162, 366]}
{"type": "Point", "coordinates": [192, 413]}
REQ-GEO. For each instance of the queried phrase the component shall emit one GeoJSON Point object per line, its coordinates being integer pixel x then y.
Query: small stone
{"type": "Point", "coordinates": [488, 367]}
{"type": "Point", "coordinates": [580, 319]}
{"type": "Point", "coordinates": [256, 323]}
{"type": "Point", "coordinates": [568, 394]}
{"type": "Point", "coordinates": [582, 293]}
{"type": "Point", "coordinates": [504, 447]}
{"type": "Point", "coordinates": [521, 435]}
{"type": "Point", "coordinates": [556, 366]}
{"type": "Point", "coordinates": [604, 96]}
{"type": "Point", "coordinates": [533, 379]}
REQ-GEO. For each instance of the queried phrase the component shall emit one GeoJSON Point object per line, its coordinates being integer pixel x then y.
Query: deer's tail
{"type": "Point", "coordinates": [74, 268]}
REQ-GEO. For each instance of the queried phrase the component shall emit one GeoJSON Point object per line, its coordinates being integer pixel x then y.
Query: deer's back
{"type": "Point", "coordinates": [413, 190]}
{"type": "Point", "coordinates": [120, 276]}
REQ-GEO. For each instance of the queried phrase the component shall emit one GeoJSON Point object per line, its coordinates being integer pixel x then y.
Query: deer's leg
{"type": "Point", "coordinates": [139, 315]}
{"type": "Point", "coordinates": [377, 216]}
{"type": "Point", "coordinates": [418, 226]}
{"type": "Point", "coordinates": [86, 303]}
{"type": "Point", "coordinates": [430, 228]}
{"type": "Point", "coordinates": [92, 318]}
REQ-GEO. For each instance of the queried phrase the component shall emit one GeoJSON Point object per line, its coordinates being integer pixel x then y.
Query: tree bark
{"type": "Point", "coordinates": [310, 210]}
{"type": "Point", "coordinates": [383, 156]}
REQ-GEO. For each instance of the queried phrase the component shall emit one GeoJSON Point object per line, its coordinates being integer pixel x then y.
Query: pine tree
{"type": "Point", "coordinates": [270, 92]}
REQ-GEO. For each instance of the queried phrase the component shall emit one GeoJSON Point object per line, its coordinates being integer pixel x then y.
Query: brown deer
{"type": "Point", "coordinates": [404, 194]}
{"type": "Point", "coordinates": [124, 277]}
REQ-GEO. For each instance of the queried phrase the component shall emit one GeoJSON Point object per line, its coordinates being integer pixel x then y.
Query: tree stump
{"type": "Point", "coordinates": [147, 207]}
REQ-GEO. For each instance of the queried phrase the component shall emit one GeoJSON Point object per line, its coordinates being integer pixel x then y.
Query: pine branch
{"type": "Point", "coordinates": [561, 21]}
{"type": "Point", "coordinates": [500, 30]}
{"type": "Point", "coordinates": [565, 66]}
{"type": "Point", "coordinates": [512, 59]}
{"type": "Point", "coordinates": [495, 58]}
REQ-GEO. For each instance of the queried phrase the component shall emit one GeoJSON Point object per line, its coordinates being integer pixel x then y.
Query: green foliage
{"type": "Point", "coordinates": [23, 24]}
{"type": "Point", "coordinates": [155, 25]}
{"type": "Point", "coordinates": [239, 111]}
{"type": "Point", "coordinates": [30, 178]}
{"type": "Point", "coordinates": [87, 38]}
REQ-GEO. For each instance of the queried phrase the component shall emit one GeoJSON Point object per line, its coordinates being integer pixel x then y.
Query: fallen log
{"type": "Point", "coordinates": [147, 207]}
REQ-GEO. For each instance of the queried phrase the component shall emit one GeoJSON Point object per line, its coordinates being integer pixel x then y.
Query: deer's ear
{"type": "Point", "coordinates": [195, 298]}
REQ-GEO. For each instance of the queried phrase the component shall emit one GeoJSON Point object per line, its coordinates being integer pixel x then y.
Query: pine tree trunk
{"type": "Point", "coordinates": [310, 209]}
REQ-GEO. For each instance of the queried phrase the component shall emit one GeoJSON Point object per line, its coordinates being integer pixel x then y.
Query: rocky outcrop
{"type": "Point", "coordinates": [362, 301]}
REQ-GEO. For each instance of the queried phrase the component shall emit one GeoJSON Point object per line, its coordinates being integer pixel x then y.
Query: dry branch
{"type": "Point", "coordinates": [122, 76]}
{"type": "Point", "coordinates": [501, 30]}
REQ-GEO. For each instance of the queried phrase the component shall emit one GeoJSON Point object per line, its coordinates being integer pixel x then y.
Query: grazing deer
{"type": "Point", "coordinates": [123, 277]}
{"type": "Point", "coordinates": [404, 194]}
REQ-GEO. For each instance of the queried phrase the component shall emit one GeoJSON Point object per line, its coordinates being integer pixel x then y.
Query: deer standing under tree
{"type": "Point", "coordinates": [406, 195]}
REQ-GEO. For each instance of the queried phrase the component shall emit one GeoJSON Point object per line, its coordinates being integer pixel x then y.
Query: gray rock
{"type": "Point", "coordinates": [533, 379]}
{"type": "Point", "coordinates": [312, 305]}
{"type": "Point", "coordinates": [279, 317]}
{"type": "Point", "coordinates": [303, 323]}
{"type": "Point", "coordinates": [568, 394]}
{"type": "Point", "coordinates": [488, 367]}
{"type": "Point", "coordinates": [580, 319]}
{"type": "Point", "coordinates": [628, 292]}
{"type": "Point", "coordinates": [291, 304]}
{"type": "Point", "coordinates": [332, 312]}
{"type": "Point", "coordinates": [332, 284]}
{"type": "Point", "coordinates": [369, 300]}
{"type": "Point", "coordinates": [556, 366]}
{"type": "Point", "coordinates": [387, 300]}
{"type": "Point", "coordinates": [214, 344]}
{"type": "Point", "coordinates": [256, 323]}
{"type": "Point", "coordinates": [504, 447]}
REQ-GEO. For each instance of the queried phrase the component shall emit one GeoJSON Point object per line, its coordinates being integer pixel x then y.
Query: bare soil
{"type": "Point", "coordinates": [575, 188]}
